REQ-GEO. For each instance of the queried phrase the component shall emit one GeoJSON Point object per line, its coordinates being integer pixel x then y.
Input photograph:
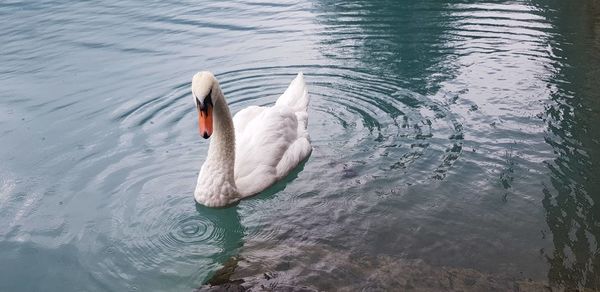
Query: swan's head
{"type": "Point", "coordinates": [204, 87]}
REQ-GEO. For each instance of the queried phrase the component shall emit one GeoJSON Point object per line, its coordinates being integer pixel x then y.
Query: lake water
{"type": "Point", "coordinates": [452, 135]}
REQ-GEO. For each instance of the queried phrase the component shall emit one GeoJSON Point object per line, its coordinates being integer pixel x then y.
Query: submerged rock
{"type": "Point", "coordinates": [223, 275]}
{"type": "Point", "coordinates": [225, 287]}
{"type": "Point", "coordinates": [315, 268]}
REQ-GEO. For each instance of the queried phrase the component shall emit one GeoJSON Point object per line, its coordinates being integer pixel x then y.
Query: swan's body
{"type": "Point", "coordinates": [256, 148]}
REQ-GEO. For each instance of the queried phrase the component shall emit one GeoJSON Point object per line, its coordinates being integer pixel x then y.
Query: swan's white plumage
{"type": "Point", "coordinates": [269, 143]}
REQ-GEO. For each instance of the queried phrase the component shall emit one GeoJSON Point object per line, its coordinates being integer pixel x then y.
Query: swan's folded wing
{"type": "Point", "coordinates": [245, 117]}
{"type": "Point", "coordinates": [295, 96]}
{"type": "Point", "coordinates": [260, 147]}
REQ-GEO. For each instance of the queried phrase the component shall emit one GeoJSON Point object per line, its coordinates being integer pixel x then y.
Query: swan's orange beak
{"type": "Point", "coordinates": [205, 123]}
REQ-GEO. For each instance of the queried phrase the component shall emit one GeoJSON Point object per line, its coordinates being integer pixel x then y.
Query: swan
{"type": "Point", "coordinates": [254, 149]}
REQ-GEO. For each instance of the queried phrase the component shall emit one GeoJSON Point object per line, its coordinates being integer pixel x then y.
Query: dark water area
{"type": "Point", "coordinates": [460, 136]}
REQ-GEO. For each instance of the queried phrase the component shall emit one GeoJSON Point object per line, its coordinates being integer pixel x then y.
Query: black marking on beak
{"type": "Point", "coordinates": [205, 135]}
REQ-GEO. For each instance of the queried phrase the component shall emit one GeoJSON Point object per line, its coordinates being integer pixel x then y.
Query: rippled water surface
{"type": "Point", "coordinates": [460, 135]}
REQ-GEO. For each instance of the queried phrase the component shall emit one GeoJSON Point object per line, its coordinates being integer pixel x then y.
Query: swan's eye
{"type": "Point", "coordinates": [207, 99]}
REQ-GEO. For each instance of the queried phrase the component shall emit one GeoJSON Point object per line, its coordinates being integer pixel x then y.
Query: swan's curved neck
{"type": "Point", "coordinates": [222, 143]}
{"type": "Point", "coordinates": [216, 182]}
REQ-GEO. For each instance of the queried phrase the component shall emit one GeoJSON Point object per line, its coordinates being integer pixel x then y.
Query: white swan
{"type": "Point", "coordinates": [250, 152]}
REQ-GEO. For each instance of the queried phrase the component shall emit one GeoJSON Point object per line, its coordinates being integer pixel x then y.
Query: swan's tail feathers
{"type": "Point", "coordinates": [296, 95]}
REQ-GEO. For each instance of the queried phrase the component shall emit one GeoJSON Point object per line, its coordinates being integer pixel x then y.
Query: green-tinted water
{"type": "Point", "coordinates": [461, 135]}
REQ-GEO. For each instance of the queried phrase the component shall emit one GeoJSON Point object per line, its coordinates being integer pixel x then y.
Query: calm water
{"type": "Point", "coordinates": [459, 134]}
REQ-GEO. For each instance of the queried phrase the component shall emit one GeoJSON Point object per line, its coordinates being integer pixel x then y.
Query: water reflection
{"type": "Point", "coordinates": [572, 198]}
{"type": "Point", "coordinates": [481, 69]}
{"type": "Point", "coordinates": [402, 40]}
